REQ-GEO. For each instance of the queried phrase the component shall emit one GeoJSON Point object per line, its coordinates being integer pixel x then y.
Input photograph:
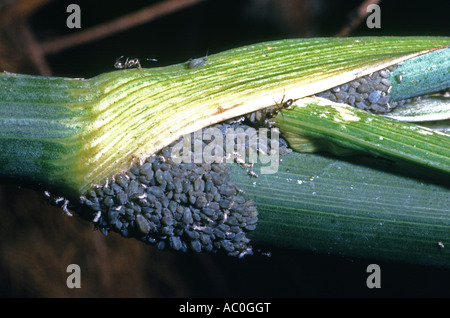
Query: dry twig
{"type": "Point", "coordinates": [120, 24]}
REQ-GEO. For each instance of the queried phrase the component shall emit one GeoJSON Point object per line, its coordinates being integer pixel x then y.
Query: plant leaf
{"type": "Point", "coordinates": [314, 124]}
{"type": "Point", "coordinates": [358, 207]}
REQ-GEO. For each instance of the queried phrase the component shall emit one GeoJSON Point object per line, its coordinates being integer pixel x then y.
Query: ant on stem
{"type": "Point", "coordinates": [129, 63]}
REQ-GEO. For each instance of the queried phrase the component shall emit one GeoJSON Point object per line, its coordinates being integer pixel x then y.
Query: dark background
{"type": "Point", "coordinates": [37, 242]}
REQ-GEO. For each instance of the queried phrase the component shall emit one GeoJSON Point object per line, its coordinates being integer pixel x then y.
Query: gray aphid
{"type": "Point", "coordinates": [196, 245]}
{"type": "Point", "coordinates": [198, 62]}
{"type": "Point", "coordinates": [142, 224]}
{"type": "Point", "coordinates": [175, 243]}
{"type": "Point", "coordinates": [374, 97]}
{"type": "Point", "coordinates": [121, 180]}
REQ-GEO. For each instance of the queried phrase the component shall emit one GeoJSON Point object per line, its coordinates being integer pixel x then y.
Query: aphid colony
{"type": "Point", "coordinates": [182, 206]}
{"type": "Point", "coordinates": [370, 93]}
{"type": "Point", "coordinates": [197, 206]}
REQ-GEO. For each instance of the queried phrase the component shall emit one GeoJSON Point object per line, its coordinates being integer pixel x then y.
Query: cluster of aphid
{"type": "Point", "coordinates": [197, 206]}
{"type": "Point", "coordinates": [178, 205]}
{"type": "Point", "coordinates": [370, 93]}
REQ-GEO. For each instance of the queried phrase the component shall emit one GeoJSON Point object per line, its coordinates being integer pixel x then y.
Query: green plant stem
{"type": "Point", "coordinates": [42, 123]}
{"type": "Point", "coordinates": [421, 75]}
{"type": "Point", "coordinates": [68, 134]}
{"type": "Point", "coordinates": [361, 207]}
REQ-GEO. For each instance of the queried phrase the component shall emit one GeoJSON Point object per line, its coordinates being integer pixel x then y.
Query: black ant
{"type": "Point", "coordinates": [279, 107]}
{"type": "Point", "coordinates": [129, 63]}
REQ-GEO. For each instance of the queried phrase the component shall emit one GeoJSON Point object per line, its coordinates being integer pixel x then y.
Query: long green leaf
{"type": "Point", "coordinates": [315, 124]}
{"type": "Point", "coordinates": [360, 207]}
